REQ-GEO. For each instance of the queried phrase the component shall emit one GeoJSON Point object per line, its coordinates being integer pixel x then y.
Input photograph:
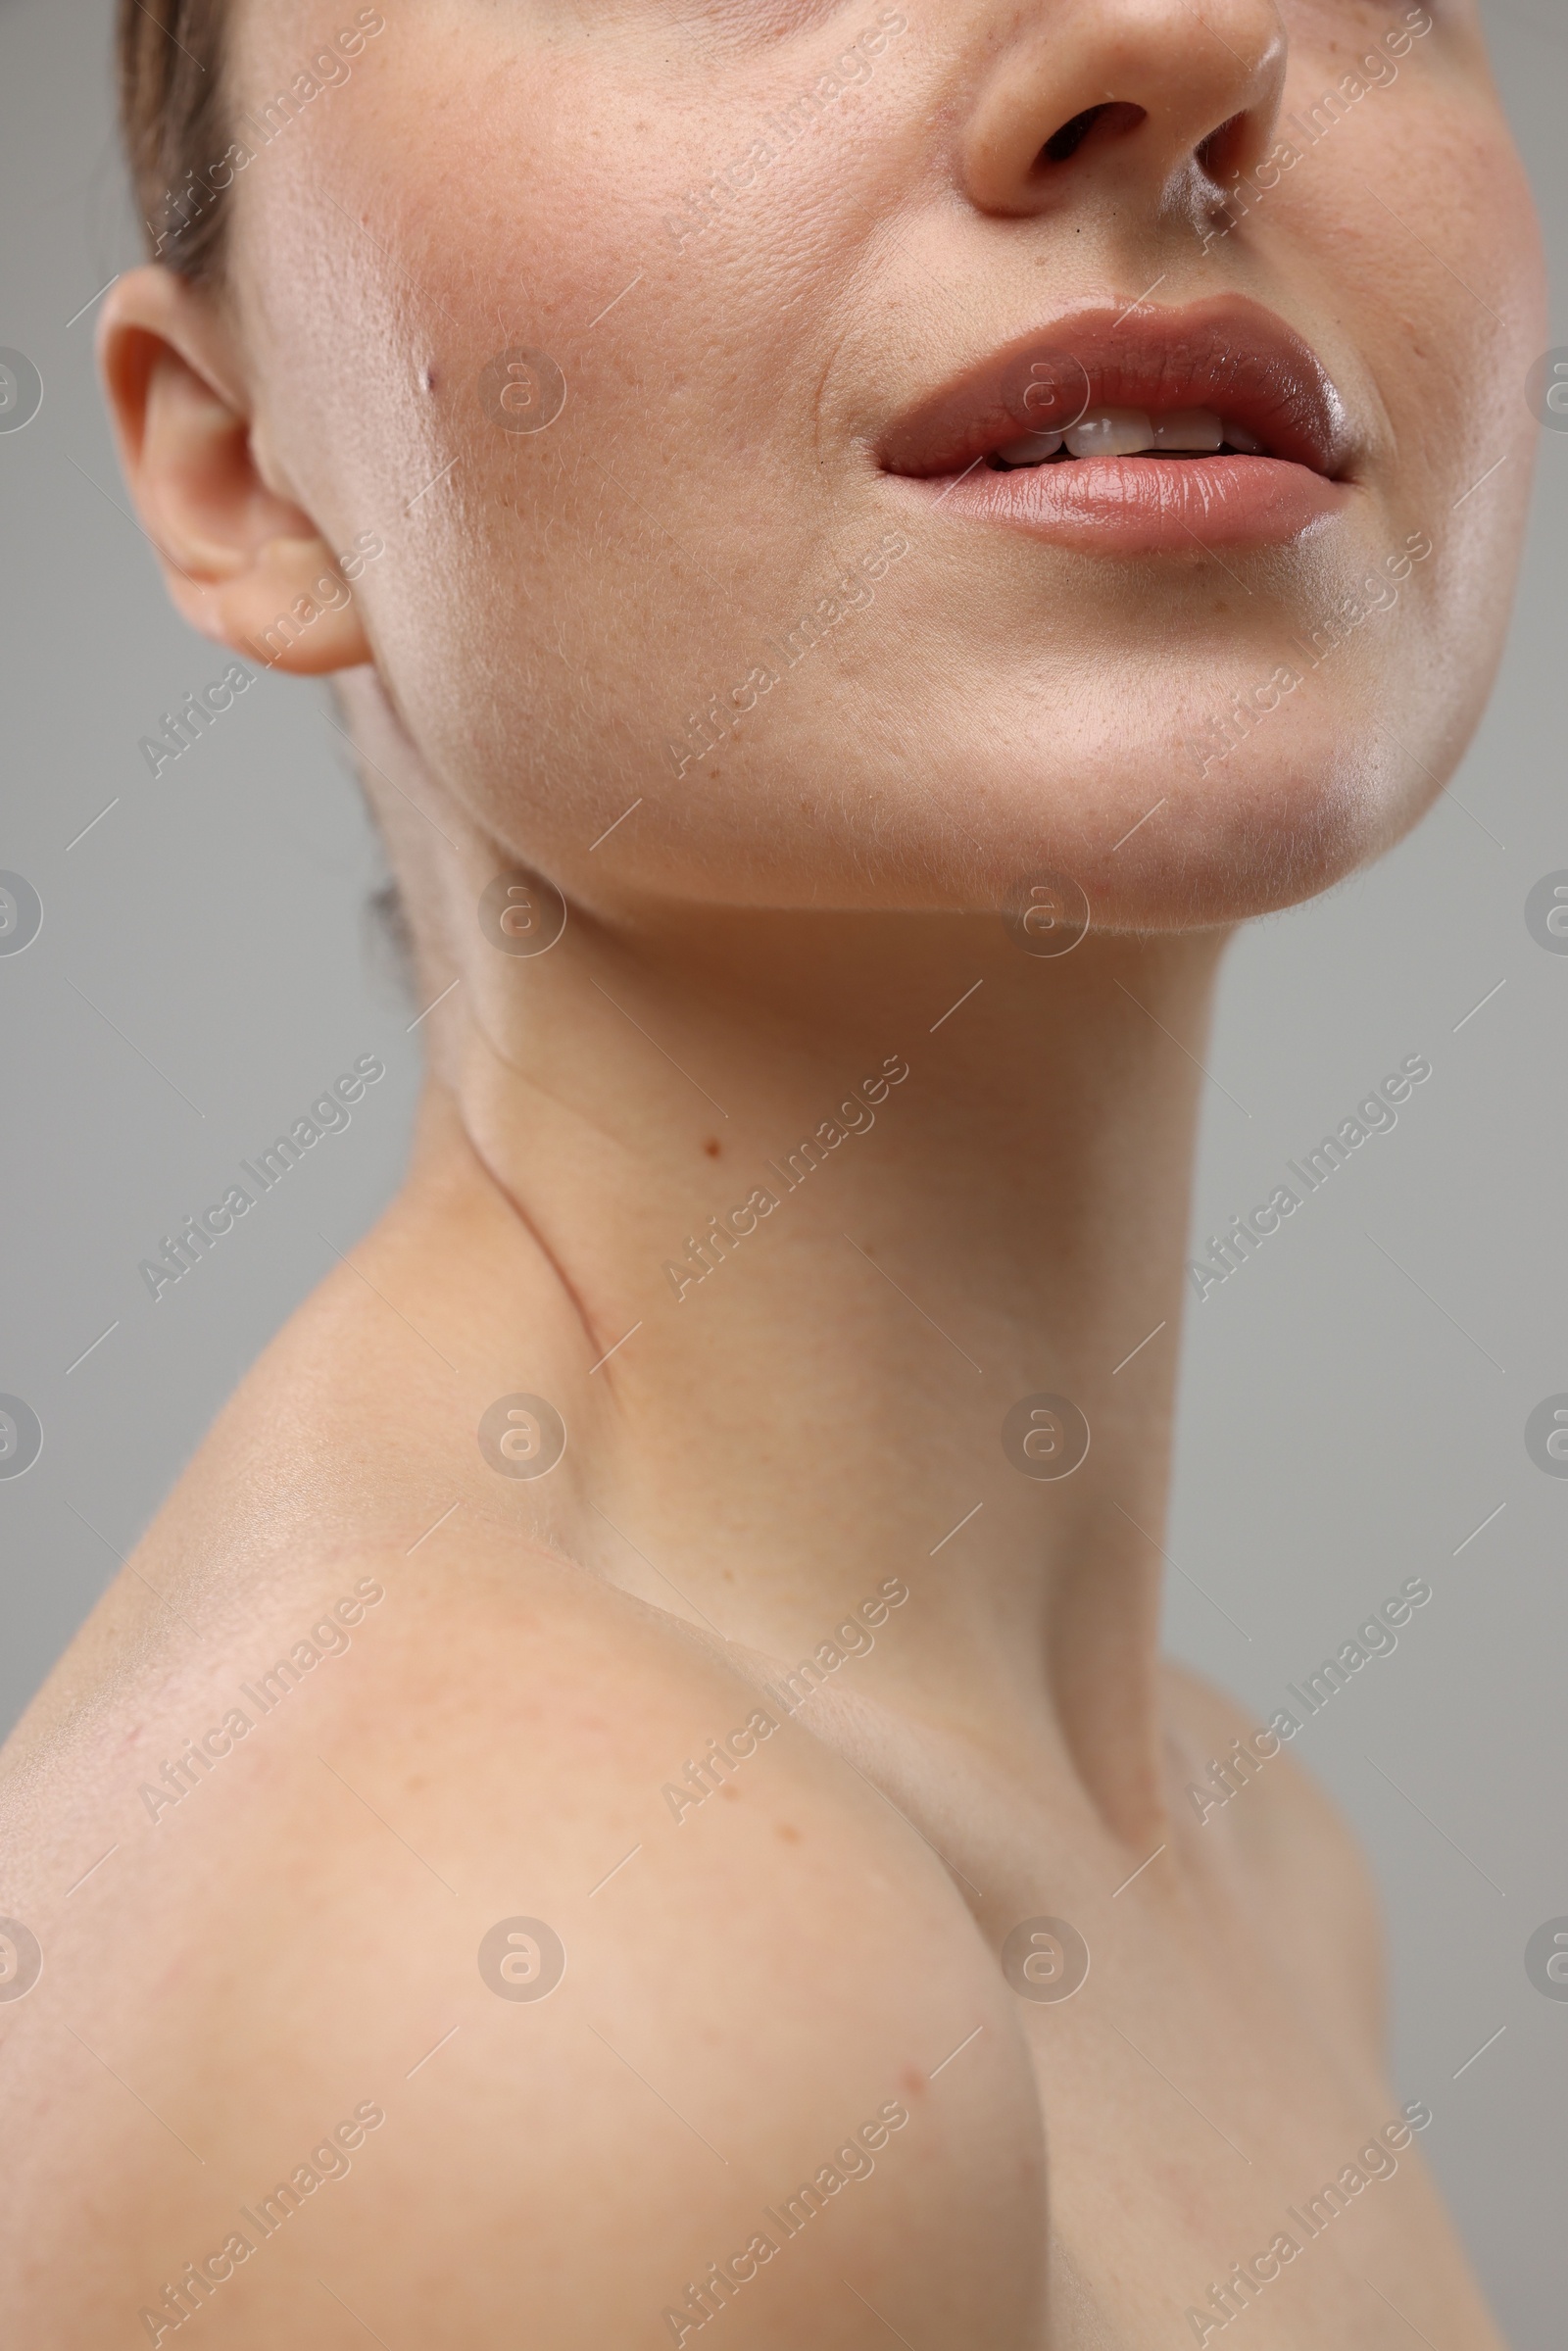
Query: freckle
{"type": "Point", "coordinates": [729, 1789]}
{"type": "Point", "coordinates": [788, 1832]}
{"type": "Point", "coordinates": [713, 1146]}
{"type": "Point", "coordinates": [914, 2081]}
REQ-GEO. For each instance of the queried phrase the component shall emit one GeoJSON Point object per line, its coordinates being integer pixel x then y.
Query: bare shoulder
{"type": "Point", "coordinates": [1290, 1847]}
{"type": "Point", "coordinates": [506, 1968]}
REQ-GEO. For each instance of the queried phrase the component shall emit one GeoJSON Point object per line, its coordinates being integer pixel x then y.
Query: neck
{"type": "Point", "coordinates": [857, 1186]}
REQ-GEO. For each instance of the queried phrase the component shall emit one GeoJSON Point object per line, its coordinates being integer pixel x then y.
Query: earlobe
{"type": "Point", "coordinates": [242, 564]}
{"type": "Point", "coordinates": [290, 608]}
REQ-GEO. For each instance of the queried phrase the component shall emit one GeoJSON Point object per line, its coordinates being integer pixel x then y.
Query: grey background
{"type": "Point", "coordinates": [1348, 1416]}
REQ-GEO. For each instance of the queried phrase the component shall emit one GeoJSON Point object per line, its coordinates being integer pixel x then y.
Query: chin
{"type": "Point", "coordinates": [1128, 840]}
{"type": "Point", "coordinates": [1261, 836]}
{"type": "Point", "coordinates": [1158, 827]}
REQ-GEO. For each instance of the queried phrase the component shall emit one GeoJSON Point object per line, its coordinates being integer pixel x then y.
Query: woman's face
{"type": "Point", "coordinates": [794, 267]}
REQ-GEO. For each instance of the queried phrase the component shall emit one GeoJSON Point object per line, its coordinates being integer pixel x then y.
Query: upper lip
{"type": "Point", "coordinates": [1229, 354]}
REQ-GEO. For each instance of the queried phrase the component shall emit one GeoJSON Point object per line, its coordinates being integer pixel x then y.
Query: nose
{"type": "Point", "coordinates": [1147, 97]}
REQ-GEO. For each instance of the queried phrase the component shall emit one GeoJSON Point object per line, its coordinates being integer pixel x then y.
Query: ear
{"type": "Point", "coordinates": [242, 562]}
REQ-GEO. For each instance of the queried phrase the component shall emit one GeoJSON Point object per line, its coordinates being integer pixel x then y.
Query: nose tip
{"type": "Point", "coordinates": [1139, 90]}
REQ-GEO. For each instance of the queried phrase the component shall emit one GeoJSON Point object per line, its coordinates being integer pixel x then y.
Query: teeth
{"type": "Point", "coordinates": [1030, 451]}
{"type": "Point", "coordinates": [1131, 432]}
{"type": "Point", "coordinates": [1111, 432]}
{"type": "Point", "coordinates": [1191, 428]}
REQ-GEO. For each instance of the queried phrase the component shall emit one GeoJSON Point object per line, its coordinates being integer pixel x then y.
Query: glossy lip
{"type": "Point", "coordinates": [1231, 355]}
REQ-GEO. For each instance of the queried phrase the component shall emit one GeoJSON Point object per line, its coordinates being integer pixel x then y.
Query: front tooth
{"type": "Point", "coordinates": [1111, 432]}
{"type": "Point", "coordinates": [1032, 450]}
{"type": "Point", "coordinates": [1190, 428]}
{"type": "Point", "coordinates": [1240, 439]}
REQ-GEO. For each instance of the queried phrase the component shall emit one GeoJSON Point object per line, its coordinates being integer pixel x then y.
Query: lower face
{"type": "Point", "coordinates": [638, 329]}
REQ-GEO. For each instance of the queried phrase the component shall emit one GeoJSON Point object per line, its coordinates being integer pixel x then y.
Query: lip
{"type": "Point", "coordinates": [1231, 355]}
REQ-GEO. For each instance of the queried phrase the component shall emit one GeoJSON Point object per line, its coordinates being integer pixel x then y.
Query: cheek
{"type": "Point", "coordinates": [1418, 207]}
{"type": "Point", "coordinates": [589, 531]}
{"type": "Point", "coordinates": [1414, 206]}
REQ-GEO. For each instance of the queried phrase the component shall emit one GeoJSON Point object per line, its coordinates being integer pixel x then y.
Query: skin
{"type": "Point", "coordinates": [749, 1983]}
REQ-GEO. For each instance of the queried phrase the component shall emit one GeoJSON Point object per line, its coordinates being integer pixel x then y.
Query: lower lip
{"type": "Point", "coordinates": [1147, 505]}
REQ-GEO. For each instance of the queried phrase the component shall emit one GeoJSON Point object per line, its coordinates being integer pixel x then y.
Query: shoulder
{"type": "Point", "coordinates": [516, 1966]}
{"type": "Point", "coordinates": [1286, 1848]}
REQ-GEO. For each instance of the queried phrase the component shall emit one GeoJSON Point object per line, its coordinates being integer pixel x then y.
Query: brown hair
{"type": "Point", "coordinates": [171, 115]}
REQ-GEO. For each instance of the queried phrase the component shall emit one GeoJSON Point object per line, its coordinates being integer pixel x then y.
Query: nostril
{"type": "Point", "coordinates": [1114, 118]}
{"type": "Point", "coordinates": [1220, 153]}
{"type": "Point", "coordinates": [1070, 137]}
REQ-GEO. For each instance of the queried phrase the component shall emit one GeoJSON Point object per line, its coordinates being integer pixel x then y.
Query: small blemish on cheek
{"type": "Point", "coordinates": [787, 1831]}
{"type": "Point", "coordinates": [427, 380]}
{"type": "Point", "coordinates": [713, 1146]}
